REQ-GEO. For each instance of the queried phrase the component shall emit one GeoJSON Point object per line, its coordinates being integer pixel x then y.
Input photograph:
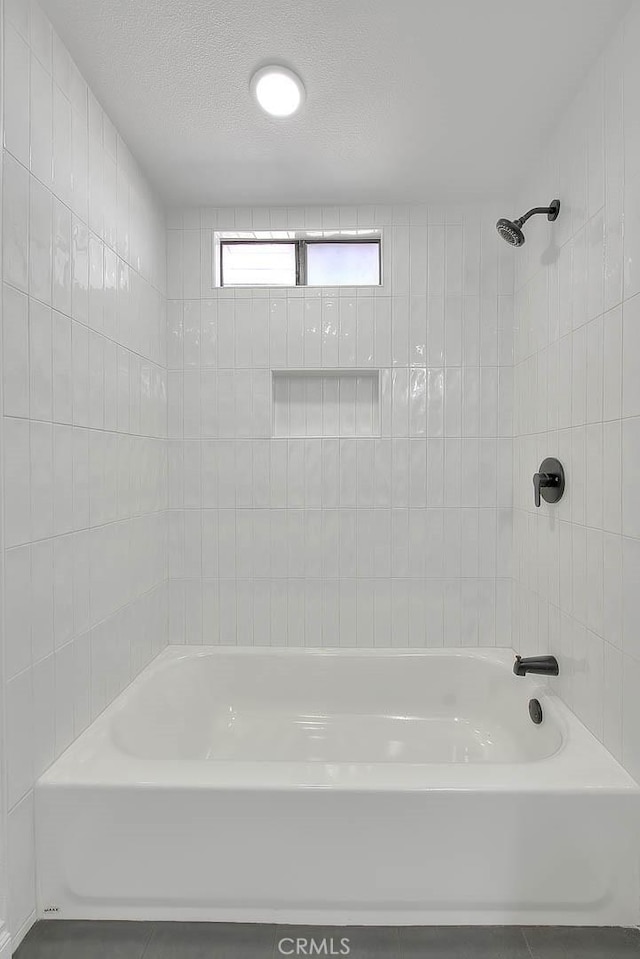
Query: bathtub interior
{"type": "Point", "coordinates": [331, 707]}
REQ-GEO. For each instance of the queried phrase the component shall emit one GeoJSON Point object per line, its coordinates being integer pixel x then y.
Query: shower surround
{"type": "Point", "coordinates": [83, 430]}
{"type": "Point", "coordinates": [577, 397]}
{"type": "Point", "coordinates": [396, 539]}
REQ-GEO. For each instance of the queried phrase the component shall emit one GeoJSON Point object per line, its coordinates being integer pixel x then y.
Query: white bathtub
{"type": "Point", "coordinates": [350, 786]}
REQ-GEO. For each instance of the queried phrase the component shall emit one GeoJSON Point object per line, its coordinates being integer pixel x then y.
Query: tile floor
{"type": "Point", "coordinates": [192, 940]}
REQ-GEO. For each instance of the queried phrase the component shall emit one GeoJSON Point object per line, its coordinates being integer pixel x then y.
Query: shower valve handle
{"type": "Point", "coordinates": [542, 480]}
{"type": "Point", "coordinates": [548, 482]}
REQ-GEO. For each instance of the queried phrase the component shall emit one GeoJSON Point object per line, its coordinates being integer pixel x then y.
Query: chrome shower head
{"type": "Point", "coordinates": [511, 230]}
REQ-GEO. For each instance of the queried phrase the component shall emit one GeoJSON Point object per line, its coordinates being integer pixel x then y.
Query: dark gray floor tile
{"type": "Point", "coordinates": [326, 942]}
{"type": "Point", "coordinates": [566, 942]}
{"type": "Point", "coordinates": [463, 942]}
{"type": "Point", "coordinates": [211, 940]}
{"type": "Point", "coordinates": [63, 939]}
{"type": "Point", "coordinates": [75, 939]}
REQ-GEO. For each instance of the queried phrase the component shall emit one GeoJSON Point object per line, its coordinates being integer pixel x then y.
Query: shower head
{"type": "Point", "coordinates": [511, 230]}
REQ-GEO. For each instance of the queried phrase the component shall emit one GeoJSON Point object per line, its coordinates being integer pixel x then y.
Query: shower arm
{"type": "Point", "coordinates": [536, 209]}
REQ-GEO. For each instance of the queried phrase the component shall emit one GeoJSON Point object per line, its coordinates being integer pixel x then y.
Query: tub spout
{"type": "Point", "coordinates": [544, 665]}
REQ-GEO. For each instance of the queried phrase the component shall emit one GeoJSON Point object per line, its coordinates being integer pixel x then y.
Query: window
{"type": "Point", "coordinates": [300, 261]}
{"type": "Point", "coordinates": [336, 263]}
{"type": "Point", "coordinates": [258, 264]}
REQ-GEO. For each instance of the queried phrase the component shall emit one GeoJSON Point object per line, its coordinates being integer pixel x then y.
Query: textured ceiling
{"type": "Point", "coordinates": [406, 99]}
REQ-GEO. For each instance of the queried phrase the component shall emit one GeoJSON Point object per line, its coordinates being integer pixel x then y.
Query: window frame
{"type": "Point", "coordinates": [300, 245]}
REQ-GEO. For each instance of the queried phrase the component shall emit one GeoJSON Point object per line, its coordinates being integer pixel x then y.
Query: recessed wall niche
{"type": "Point", "coordinates": [326, 402]}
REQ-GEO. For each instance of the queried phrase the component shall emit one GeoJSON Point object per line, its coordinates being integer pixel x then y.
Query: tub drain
{"type": "Point", "coordinates": [535, 711]}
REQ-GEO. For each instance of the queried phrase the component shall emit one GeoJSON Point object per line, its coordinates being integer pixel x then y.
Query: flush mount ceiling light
{"type": "Point", "coordinates": [279, 91]}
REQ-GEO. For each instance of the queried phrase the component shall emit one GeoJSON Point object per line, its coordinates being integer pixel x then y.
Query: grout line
{"type": "Point", "coordinates": [152, 930]}
{"type": "Point", "coordinates": [526, 942]}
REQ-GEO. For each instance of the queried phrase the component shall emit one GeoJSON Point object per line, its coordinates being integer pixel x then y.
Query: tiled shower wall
{"type": "Point", "coordinates": [577, 396]}
{"type": "Point", "coordinates": [84, 424]}
{"type": "Point", "coordinates": [396, 539]}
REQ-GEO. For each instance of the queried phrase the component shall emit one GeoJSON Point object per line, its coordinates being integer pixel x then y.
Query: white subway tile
{"type": "Point", "coordinates": [41, 446]}
{"type": "Point", "coordinates": [40, 242]}
{"type": "Point", "coordinates": [630, 476]}
{"type": "Point", "coordinates": [41, 599]}
{"type": "Point", "coordinates": [612, 700]}
{"type": "Point", "coordinates": [631, 597]}
{"type": "Point", "coordinates": [15, 223]}
{"type": "Point", "coordinates": [44, 719]}
{"type": "Point", "coordinates": [21, 855]}
{"type": "Point", "coordinates": [16, 85]}
{"type": "Point", "coordinates": [18, 651]}
{"type": "Point", "coordinates": [631, 342]}
{"type": "Point", "coordinates": [41, 122]}
{"type": "Point", "coordinates": [19, 736]}
{"type": "Point", "coordinates": [17, 482]}
{"type": "Point", "coordinates": [79, 271]}
{"type": "Point", "coordinates": [16, 377]}
{"type": "Point", "coordinates": [61, 144]}
{"type": "Point", "coordinates": [61, 290]}
{"type": "Point", "coordinates": [41, 361]}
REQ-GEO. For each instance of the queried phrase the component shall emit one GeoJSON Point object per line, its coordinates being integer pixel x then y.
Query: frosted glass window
{"type": "Point", "coordinates": [289, 260]}
{"type": "Point", "coordinates": [343, 264]}
{"type": "Point", "coordinates": [258, 264]}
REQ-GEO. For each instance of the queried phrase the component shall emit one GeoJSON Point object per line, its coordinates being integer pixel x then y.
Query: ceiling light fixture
{"type": "Point", "coordinates": [279, 91]}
